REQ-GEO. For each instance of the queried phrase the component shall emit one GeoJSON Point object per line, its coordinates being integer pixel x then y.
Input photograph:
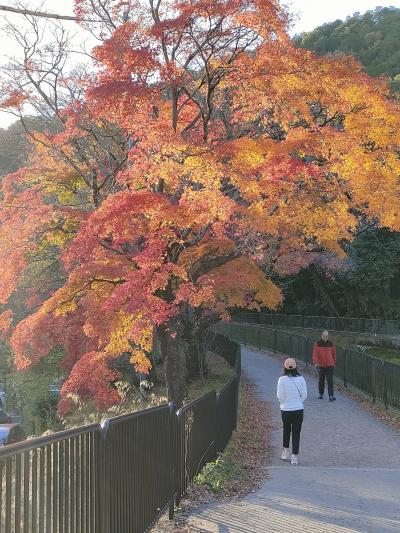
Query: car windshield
{"type": "Point", "coordinates": [4, 432]}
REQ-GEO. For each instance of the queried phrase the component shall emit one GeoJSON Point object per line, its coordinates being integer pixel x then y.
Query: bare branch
{"type": "Point", "coordinates": [40, 14]}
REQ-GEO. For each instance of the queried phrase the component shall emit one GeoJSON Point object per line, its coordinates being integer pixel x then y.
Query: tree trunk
{"type": "Point", "coordinates": [174, 361]}
{"type": "Point", "coordinates": [196, 359]}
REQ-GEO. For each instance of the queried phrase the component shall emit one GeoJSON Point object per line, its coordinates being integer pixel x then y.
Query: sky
{"type": "Point", "coordinates": [309, 14]}
{"type": "Point", "coordinates": [313, 13]}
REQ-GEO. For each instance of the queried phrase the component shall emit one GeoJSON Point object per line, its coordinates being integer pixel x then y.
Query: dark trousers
{"type": "Point", "coordinates": [326, 373]}
{"type": "Point", "coordinates": [292, 422]}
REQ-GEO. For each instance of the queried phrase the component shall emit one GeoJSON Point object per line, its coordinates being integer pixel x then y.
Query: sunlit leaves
{"type": "Point", "coordinates": [242, 156]}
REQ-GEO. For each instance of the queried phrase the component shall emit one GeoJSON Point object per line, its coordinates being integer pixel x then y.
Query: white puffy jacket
{"type": "Point", "coordinates": [292, 391]}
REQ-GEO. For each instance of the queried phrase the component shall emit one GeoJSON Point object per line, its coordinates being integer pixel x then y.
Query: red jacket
{"type": "Point", "coordinates": [324, 354]}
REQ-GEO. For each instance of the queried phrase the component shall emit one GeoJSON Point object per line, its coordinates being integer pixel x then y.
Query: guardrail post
{"type": "Point", "coordinates": [173, 458]}
{"type": "Point", "coordinates": [345, 368]}
{"type": "Point", "coordinates": [103, 521]}
{"type": "Point", "coordinates": [275, 335]}
{"type": "Point", "coordinates": [259, 338]}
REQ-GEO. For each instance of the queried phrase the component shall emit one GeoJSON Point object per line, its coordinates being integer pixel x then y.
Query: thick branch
{"type": "Point", "coordinates": [41, 14]}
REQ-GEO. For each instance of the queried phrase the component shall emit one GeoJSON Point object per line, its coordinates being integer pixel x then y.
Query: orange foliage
{"type": "Point", "coordinates": [246, 155]}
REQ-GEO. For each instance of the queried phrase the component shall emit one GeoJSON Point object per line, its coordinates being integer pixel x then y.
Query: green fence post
{"type": "Point", "coordinates": [291, 344]}
{"type": "Point", "coordinates": [275, 333]}
{"type": "Point", "coordinates": [345, 368]}
{"type": "Point", "coordinates": [244, 334]}
{"type": "Point", "coordinates": [259, 338]}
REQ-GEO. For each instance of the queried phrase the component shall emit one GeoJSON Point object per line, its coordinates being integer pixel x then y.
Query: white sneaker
{"type": "Point", "coordinates": [294, 459]}
{"type": "Point", "coordinates": [285, 454]}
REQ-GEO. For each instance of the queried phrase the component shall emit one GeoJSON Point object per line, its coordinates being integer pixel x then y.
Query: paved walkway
{"type": "Point", "coordinates": [348, 479]}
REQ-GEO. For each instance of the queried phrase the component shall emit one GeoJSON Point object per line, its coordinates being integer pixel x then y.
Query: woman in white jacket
{"type": "Point", "coordinates": [292, 392]}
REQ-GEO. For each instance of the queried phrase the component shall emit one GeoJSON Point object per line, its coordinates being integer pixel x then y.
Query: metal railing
{"type": "Point", "coordinates": [120, 476]}
{"type": "Point", "coordinates": [372, 326]}
{"type": "Point", "coordinates": [375, 377]}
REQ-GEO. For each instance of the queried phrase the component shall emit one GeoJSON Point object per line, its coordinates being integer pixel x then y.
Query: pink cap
{"type": "Point", "coordinates": [290, 363]}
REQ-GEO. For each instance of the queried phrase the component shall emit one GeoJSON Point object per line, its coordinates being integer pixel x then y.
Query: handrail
{"type": "Point", "coordinates": [372, 326]}
{"type": "Point", "coordinates": [124, 472]}
{"type": "Point", "coordinates": [39, 442]}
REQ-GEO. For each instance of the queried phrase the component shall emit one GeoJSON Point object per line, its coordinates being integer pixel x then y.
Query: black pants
{"type": "Point", "coordinates": [292, 422]}
{"type": "Point", "coordinates": [326, 373]}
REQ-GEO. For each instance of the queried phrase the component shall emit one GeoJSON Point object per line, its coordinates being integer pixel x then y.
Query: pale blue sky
{"type": "Point", "coordinates": [309, 14]}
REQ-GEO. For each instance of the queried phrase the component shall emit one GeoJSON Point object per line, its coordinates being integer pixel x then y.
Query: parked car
{"type": "Point", "coordinates": [11, 433]}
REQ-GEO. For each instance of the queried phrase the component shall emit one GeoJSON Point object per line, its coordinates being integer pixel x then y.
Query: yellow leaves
{"type": "Point", "coordinates": [267, 295]}
{"type": "Point", "coordinates": [328, 222]}
{"type": "Point", "coordinates": [371, 176]}
{"type": "Point", "coordinates": [134, 334]}
{"type": "Point", "coordinates": [66, 186]}
{"type": "Point", "coordinates": [205, 206]}
{"type": "Point", "coordinates": [248, 153]}
{"type": "Point", "coordinates": [140, 361]}
{"type": "Point", "coordinates": [333, 246]}
{"type": "Point", "coordinates": [59, 238]}
{"type": "Point", "coordinates": [239, 283]}
{"type": "Point", "coordinates": [120, 336]}
{"type": "Point", "coordinates": [65, 308]}
{"type": "Point", "coordinates": [211, 248]}
{"type": "Point", "coordinates": [62, 233]}
{"type": "Point", "coordinates": [89, 330]}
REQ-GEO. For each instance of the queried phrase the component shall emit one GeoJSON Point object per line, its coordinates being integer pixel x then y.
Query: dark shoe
{"type": "Point", "coordinates": [321, 397]}
{"type": "Point", "coordinates": [332, 398]}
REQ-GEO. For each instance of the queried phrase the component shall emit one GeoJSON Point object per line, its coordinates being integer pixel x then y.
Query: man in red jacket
{"type": "Point", "coordinates": [324, 358]}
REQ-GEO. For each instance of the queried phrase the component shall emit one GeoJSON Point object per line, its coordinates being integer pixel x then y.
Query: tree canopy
{"type": "Point", "coordinates": [203, 155]}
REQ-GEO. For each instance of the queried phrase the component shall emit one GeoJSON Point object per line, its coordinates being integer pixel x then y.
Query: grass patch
{"type": "Point", "coordinates": [219, 375]}
{"type": "Point", "coordinates": [216, 474]}
{"type": "Point", "coordinates": [393, 356]}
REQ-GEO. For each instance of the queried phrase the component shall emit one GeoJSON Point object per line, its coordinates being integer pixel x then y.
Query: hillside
{"type": "Point", "coordinates": [15, 144]}
{"type": "Point", "coordinates": [373, 38]}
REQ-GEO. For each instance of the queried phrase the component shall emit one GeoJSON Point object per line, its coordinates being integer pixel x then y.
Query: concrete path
{"type": "Point", "coordinates": [348, 479]}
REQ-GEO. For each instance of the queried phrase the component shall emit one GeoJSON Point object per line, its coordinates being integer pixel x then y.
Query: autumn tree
{"type": "Point", "coordinates": [245, 156]}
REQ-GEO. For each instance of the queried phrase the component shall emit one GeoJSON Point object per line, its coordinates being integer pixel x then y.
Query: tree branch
{"type": "Point", "coordinates": [41, 14]}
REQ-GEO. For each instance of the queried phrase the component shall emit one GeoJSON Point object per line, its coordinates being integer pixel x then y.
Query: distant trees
{"type": "Point", "coordinates": [373, 38]}
{"type": "Point", "coordinates": [365, 283]}
{"type": "Point", "coordinates": [15, 143]}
